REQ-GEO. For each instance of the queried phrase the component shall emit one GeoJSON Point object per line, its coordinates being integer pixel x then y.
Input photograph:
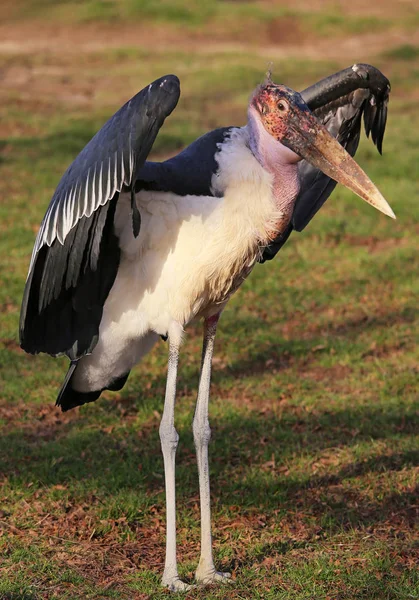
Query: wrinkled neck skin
{"type": "Point", "coordinates": [281, 162]}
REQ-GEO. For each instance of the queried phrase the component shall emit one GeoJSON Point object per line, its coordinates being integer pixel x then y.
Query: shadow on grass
{"type": "Point", "coordinates": [264, 346]}
{"type": "Point", "coordinates": [120, 460]}
{"type": "Point", "coordinates": [3, 146]}
{"type": "Point", "coordinates": [103, 453]}
{"type": "Point", "coordinates": [19, 596]}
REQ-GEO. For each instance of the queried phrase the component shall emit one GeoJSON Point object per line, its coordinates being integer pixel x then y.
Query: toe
{"type": "Point", "coordinates": [214, 577]}
{"type": "Point", "coordinates": [175, 584]}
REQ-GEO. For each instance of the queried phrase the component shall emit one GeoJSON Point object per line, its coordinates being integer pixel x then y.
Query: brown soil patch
{"type": "Point", "coordinates": [282, 37]}
{"type": "Point", "coordinates": [328, 374]}
{"type": "Point", "coordinates": [376, 245]}
{"type": "Point", "coordinates": [286, 31]}
{"type": "Point", "coordinates": [107, 551]}
{"type": "Point", "coordinates": [37, 421]}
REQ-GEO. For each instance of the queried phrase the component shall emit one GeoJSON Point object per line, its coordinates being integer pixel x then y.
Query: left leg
{"type": "Point", "coordinates": [205, 572]}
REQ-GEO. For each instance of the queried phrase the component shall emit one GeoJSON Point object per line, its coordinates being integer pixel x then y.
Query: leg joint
{"type": "Point", "coordinates": [201, 431]}
{"type": "Point", "coordinates": [169, 437]}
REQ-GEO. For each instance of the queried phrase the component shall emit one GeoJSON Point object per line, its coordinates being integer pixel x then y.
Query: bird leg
{"type": "Point", "coordinates": [169, 440]}
{"type": "Point", "coordinates": [205, 572]}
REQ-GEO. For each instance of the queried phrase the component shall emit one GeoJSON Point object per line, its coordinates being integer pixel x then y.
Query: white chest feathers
{"type": "Point", "coordinates": [193, 252]}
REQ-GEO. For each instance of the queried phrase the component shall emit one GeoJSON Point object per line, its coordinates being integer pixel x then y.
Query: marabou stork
{"type": "Point", "coordinates": [131, 250]}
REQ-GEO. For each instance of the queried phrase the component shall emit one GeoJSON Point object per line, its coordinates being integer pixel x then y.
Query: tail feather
{"type": "Point", "coordinates": [70, 398]}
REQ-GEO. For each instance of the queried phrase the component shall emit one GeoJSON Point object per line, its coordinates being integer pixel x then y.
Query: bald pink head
{"type": "Point", "coordinates": [283, 115]}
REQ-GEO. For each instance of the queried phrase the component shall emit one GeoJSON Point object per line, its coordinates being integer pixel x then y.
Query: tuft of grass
{"type": "Point", "coordinates": [405, 52]}
{"type": "Point", "coordinates": [338, 23]}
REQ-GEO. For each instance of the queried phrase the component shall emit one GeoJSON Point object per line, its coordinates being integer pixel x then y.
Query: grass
{"type": "Point", "coordinates": [226, 17]}
{"type": "Point", "coordinates": [314, 411]}
{"type": "Point", "coordinates": [404, 52]}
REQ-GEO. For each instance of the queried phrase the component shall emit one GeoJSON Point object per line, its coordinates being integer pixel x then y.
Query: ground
{"type": "Point", "coordinates": [314, 458]}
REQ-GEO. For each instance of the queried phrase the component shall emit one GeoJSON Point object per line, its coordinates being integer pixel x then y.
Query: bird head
{"type": "Point", "coordinates": [285, 117]}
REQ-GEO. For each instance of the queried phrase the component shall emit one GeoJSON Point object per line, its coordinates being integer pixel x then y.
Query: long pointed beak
{"type": "Point", "coordinates": [310, 139]}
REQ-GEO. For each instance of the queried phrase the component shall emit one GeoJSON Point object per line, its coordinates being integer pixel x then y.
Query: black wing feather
{"type": "Point", "coordinates": [76, 253]}
{"type": "Point", "coordinates": [339, 102]}
{"type": "Point", "coordinates": [66, 289]}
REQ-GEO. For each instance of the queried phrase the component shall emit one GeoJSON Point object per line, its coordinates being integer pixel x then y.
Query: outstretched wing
{"type": "Point", "coordinates": [339, 102]}
{"type": "Point", "coordinates": [76, 253]}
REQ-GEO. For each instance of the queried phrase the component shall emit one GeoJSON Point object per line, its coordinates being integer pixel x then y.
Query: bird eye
{"type": "Point", "coordinates": [282, 106]}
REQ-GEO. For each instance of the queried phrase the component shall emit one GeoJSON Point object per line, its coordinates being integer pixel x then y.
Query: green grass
{"type": "Point", "coordinates": [206, 16]}
{"type": "Point", "coordinates": [404, 52]}
{"type": "Point", "coordinates": [314, 410]}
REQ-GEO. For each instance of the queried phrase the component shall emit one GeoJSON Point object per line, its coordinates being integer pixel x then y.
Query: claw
{"type": "Point", "coordinates": [175, 584]}
{"type": "Point", "coordinates": [213, 577]}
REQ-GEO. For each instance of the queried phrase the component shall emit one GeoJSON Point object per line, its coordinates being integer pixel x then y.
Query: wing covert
{"type": "Point", "coordinates": [110, 160]}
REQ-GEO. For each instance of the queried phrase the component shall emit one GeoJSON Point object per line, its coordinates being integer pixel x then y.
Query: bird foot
{"type": "Point", "coordinates": [208, 577]}
{"type": "Point", "coordinates": [175, 584]}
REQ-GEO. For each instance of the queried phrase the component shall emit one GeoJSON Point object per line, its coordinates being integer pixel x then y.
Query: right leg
{"type": "Point", "coordinates": [169, 441]}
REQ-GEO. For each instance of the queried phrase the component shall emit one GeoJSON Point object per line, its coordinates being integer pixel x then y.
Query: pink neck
{"type": "Point", "coordinates": [285, 190]}
{"type": "Point", "coordinates": [282, 163]}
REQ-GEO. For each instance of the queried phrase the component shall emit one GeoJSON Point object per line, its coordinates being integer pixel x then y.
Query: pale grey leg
{"type": "Point", "coordinates": [205, 572]}
{"type": "Point", "coordinates": [169, 440]}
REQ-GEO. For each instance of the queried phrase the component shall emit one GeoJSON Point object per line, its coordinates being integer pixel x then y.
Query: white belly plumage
{"type": "Point", "coordinates": [191, 254]}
